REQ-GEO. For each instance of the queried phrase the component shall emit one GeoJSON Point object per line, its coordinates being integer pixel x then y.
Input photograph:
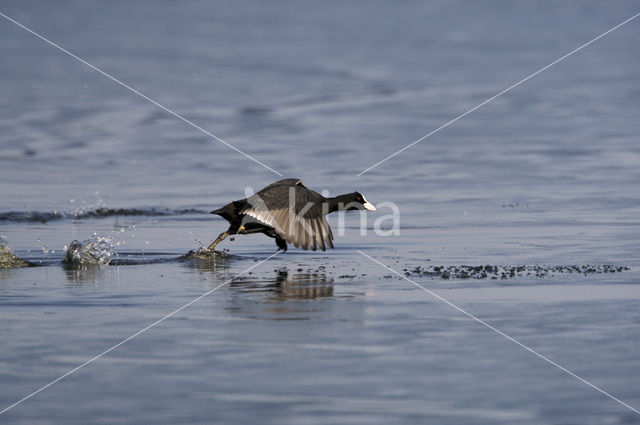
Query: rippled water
{"type": "Point", "coordinates": [543, 177]}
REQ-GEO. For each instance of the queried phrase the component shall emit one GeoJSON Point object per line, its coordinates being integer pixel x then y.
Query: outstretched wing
{"type": "Point", "coordinates": [294, 211]}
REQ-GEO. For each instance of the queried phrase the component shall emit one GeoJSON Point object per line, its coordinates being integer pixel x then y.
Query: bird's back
{"type": "Point", "coordinates": [289, 194]}
{"type": "Point", "coordinates": [294, 211]}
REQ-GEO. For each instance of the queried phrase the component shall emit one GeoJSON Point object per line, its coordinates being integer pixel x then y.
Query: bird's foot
{"type": "Point", "coordinates": [282, 244]}
{"type": "Point", "coordinates": [219, 239]}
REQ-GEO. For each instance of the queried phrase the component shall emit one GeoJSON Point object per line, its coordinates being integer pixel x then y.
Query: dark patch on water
{"type": "Point", "coordinates": [108, 212]}
{"type": "Point", "coordinates": [255, 110]}
{"type": "Point", "coordinates": [43, 217]}
{"type": "Point", "coordinates": [506, 272]}
{"type": "Point", "coordinates": [335, 100]}
{"type": "Point", "coordinates": [18, 153]}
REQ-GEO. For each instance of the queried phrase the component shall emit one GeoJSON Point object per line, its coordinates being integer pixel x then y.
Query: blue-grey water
{"type": "Point", "coordinates": [546, 175]}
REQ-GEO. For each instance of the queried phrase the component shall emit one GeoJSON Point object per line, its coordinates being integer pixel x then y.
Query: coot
{"type": "Point", "coordinates": [289, 212]}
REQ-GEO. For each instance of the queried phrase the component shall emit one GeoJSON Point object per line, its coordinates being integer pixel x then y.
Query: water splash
{"type": "Point", "coordinates": [89, 206]}
{"type": "Point", "coordinates": [206, 255]}
{"type": "Point", "coordinates": [96, 250]}
{"type": "Point", "coordinates": [7, 259]}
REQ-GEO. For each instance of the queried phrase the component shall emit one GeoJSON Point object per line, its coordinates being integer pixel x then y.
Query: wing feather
{"type": "Point", "coordinates": [321, 244]}
{"type": "Point", "coordinates": [328, 233]}
{"type": "Point", "coordinates": [302, 223]}
{"type": "Point", "coordinates": [314, 234]}
{"type": "Point", "coordinates": [304, 229]}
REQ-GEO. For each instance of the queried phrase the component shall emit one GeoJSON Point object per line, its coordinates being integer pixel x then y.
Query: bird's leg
{"type": "Point", "coordinates": [282, 244]}
{"type": "Point", "coordinates": [219, 239]}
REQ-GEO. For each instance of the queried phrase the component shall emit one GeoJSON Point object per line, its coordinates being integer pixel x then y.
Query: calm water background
{"type": "Point", "coordinates": [547, 174]}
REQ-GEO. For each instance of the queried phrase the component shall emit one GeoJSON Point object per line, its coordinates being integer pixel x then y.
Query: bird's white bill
{"type": "Point", "coordinates": [369, 206]}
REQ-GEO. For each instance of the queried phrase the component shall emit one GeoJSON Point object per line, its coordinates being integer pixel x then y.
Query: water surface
{"type": "Point", "coordinates": [546, 175]}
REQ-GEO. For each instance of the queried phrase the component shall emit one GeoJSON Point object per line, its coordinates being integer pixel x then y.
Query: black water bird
{"type": "Point", "coordinates": [289, 212]}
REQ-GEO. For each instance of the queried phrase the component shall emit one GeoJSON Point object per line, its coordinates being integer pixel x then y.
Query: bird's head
{"type": "Point", "coordinates": [359, 202]}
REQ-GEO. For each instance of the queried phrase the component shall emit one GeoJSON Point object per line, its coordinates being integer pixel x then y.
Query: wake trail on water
{"type": "Point", "coordinates": [99, 251]}
{"type": "Point", "coordinates": [46, 216]}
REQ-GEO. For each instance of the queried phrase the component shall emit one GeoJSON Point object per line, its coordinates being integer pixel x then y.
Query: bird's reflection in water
{"type": "Point", "coordinates": [302, 285]}
{"type": "Point", "coordinates": [78, 275]}
{"type": "Point", "coordinates": [283, 297]}
{"type": "Point", "coordinates": [290, 286]}
{"type": "Point", "coordinates": [285, 285]}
